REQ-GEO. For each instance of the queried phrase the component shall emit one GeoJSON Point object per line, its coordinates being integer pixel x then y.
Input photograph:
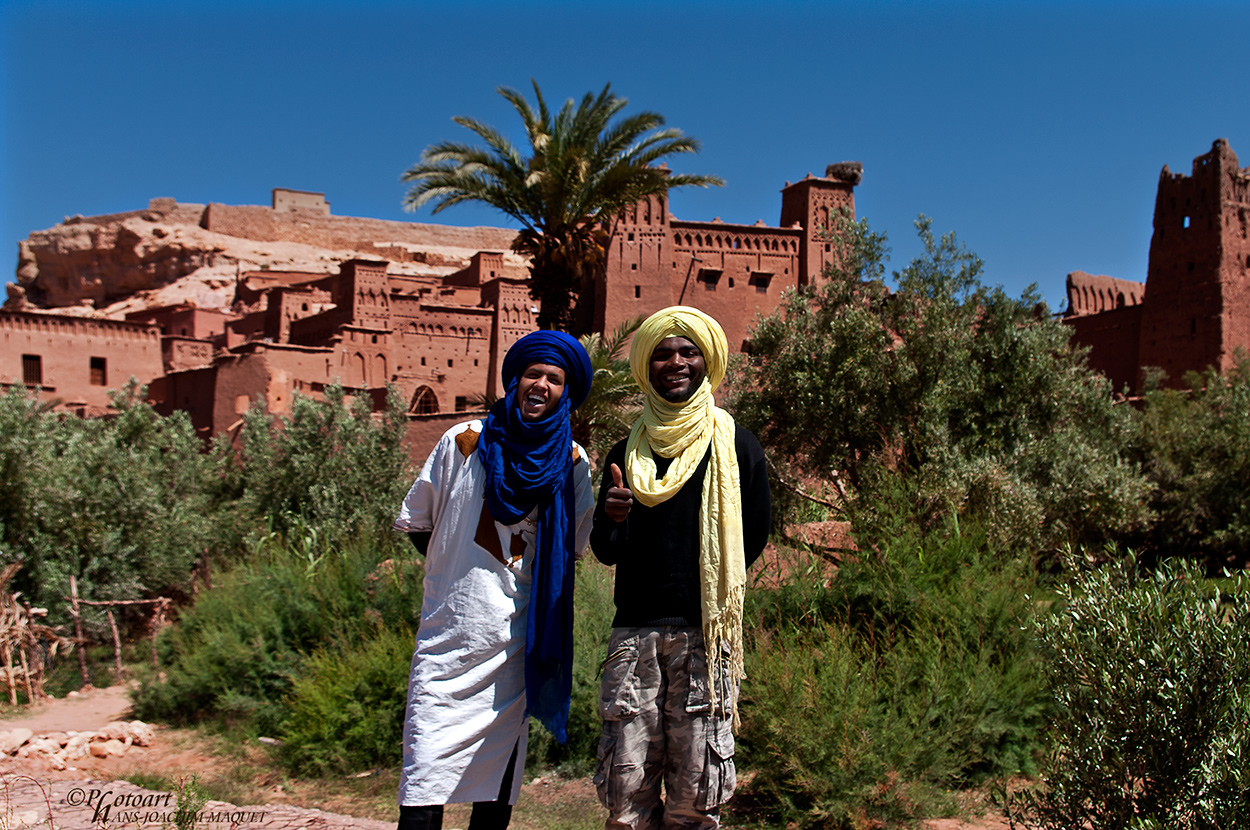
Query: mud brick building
{"type": "Point", "coordinates": [438, 337]}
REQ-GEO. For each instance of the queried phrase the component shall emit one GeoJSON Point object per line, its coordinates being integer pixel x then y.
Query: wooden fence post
{"type": "Point", "coordinates": [117, 646]}
{"type": "Point", "coordinates": [82, 643]}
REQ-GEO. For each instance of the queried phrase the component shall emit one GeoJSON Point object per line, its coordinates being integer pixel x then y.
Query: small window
{"type": "Point", "coordinates": [637, 292]}
{"type": "Point", "coordinates": [99, 371]}
{"type": "Point", "coordinates": [423, 361]}
{"type": "Point", "coordinates": [462, 403]}
{"type": "Point", "coordinates": [631, 237]}
{"type": "Point", "coordinates": [633, 266]}
{"type": "Point", "coordinates": [475, 361]}
{"type": "Point", "coordinates": [1185, 224]}
{"type": "Point", "coordinates": [449, 363]}
{"type": "Point", "coordinates": [710, 276]}
{"type": "Point", "coordinates": [32, 369]}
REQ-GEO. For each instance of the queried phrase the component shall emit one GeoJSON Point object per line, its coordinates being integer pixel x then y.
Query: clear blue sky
{"type": "Point", "coordinates": [1035, 131]}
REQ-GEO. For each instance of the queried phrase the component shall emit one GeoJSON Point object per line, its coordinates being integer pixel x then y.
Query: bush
{"type": "Point", "coordinates": [347, 706]}
{"type": "Point", "coordinates": [904, 675]}
{"type": "Point", "coordinates": [235, 655]}
{"type": "Point", "coordinates": [1151, 676]}
{"type": "Point", "coordinates": [975, 394]}
{"type": "Point", "coordinates": [115, 503]}
{"type": "Point", "coordinates": [333, 466]}
{"type": "Point", "coordinates": [1195, 448]}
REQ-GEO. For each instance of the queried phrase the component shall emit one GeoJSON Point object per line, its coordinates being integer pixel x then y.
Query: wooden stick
{"type": "Point", "coordinates": [117, 646]}
{"type": "Point", "coordinates": [156, 629]}
{"type": "Point", "coordinates": [30, 692]}
{"type": "Point", "coordinates": [8, 671]}
{"type": "Point", "coordinates": [156, 601]}
{"type": "Point", "coordinates": [82, 641]}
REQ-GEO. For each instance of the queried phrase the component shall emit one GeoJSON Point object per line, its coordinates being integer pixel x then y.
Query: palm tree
{"type": "Point", "coordinates": [615, 401]}
{"type": "Point", "coordinates": [584, 168]}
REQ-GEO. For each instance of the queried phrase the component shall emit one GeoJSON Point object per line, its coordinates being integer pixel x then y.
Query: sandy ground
{"type": "Point", "coordinates": [34, 795]}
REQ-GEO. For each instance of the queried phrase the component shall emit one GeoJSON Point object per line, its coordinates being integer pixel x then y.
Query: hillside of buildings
{"type": "Point", "coordinates": [173, 253]}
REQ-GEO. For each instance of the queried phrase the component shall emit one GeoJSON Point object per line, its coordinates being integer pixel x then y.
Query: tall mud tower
{"type": "Point", "coordinates": [1196, 310]}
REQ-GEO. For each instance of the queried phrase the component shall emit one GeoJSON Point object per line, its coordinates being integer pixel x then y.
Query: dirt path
{"type": "Point", "coordinates": [33, 794]}
{"type": "Point", "coordinates": [87, 711]}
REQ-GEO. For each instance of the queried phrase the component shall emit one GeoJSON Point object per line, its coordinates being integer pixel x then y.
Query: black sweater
{"type": "Point", "coordinates": [656, 549]}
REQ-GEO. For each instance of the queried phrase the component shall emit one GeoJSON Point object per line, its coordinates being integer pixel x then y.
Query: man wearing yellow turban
{"type": "Point", "coordinates": [683, 510]}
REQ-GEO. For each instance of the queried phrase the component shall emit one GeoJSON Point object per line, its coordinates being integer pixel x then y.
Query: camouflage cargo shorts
{"type": "Point", "coordinates": [660, 727]}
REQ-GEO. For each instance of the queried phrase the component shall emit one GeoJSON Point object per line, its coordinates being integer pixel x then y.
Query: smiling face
{"type": "Point", "coordinates": [538, 391]}
{"type": "Point", "coordinates": [677, 369]}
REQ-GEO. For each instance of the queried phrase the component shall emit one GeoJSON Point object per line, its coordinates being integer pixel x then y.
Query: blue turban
{"type": "Point", "coordinates": [529, 464]}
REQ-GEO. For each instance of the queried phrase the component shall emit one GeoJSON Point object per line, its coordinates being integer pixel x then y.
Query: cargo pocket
{"type": "Point", "coordinates": [720, 776]}
{"type": "Point", "coordinates": [698, 694]}
{"type": "Point", "coordinates": [603, 779]}
{"type": "Point", "coordinates": [620, 692]}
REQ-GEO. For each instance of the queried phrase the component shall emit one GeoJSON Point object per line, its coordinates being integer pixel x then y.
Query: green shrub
{"type": "Point", "coordinates": [906, 674]}
{"type": "Point", "coordinates": [1151, 675]}
{"type": "Point", "coordinates": [236, 653]}
{"type": "Point", "coordinates": [347, 706]}
{"type": "Point", "coordinates": [333, 466]}
{"type": "Point", "coordinates": [975, 393]}
{"type": "Point", "coordinates": [1195, 449]}
{"type": "Point", "coordinates": [115, 503]}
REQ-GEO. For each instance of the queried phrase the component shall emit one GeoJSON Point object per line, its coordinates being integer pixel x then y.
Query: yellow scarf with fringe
{"type": "Point", "coordinates": [683, 432]}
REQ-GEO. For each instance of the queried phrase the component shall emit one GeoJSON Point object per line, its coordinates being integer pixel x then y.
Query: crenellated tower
{"type": "Point", "coordinates": [1196, 310]}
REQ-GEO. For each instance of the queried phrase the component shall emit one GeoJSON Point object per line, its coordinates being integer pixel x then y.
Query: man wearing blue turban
{"type": "Point", "coordinates": [502, 509]}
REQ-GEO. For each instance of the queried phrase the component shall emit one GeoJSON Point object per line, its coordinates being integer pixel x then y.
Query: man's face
{"type": "Point", "coordinates": [677, 369]}
{"type": "Point", "coordinates": [538, 391]}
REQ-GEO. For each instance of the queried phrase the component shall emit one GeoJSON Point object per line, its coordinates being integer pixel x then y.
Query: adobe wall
{"type": "Point", "coordinates": [1235, 260]}
{"type": "Point", "coordinates": [1194, 310]}
{"type": "Point", "coordinates": [80, 359]}
{"type": "Point", "coordinates": [735, 272]}
{"type": "Point", "coordinates": [423, 431]}
{"type": "Point", "coordinates": [191, 391]}
{"type": "Point", "coordinates": [1112, 337]}
{"type": "Point", "coordinates": [263, 224]}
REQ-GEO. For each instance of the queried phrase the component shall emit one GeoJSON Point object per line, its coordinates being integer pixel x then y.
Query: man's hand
{"type": "Point", "coordinates": [620, 498]}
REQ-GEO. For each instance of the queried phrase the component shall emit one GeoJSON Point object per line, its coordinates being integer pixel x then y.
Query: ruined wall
{"type": "Point", "coordinates": [1090, 294]}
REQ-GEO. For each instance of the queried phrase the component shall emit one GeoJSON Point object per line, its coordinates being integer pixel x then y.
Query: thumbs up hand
{"type": "Point", "coordinates": [620, 498]}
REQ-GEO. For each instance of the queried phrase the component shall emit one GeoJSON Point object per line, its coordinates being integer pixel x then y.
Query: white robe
{"type": "Point", "coordinates": [466, 690]}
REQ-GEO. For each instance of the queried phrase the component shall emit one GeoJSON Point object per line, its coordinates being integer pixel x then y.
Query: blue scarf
{"type": "Point", "coordinates": [528, 464]}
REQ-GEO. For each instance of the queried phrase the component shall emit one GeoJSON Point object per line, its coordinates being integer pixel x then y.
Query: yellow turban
{"type": "Point", "coordinates": [683, 432]}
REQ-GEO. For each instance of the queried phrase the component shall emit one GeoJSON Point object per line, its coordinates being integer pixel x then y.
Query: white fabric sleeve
{"type": "Point", "coordinates": [584, 489]}
{"type": "Point", "coordinates": [418, 511]}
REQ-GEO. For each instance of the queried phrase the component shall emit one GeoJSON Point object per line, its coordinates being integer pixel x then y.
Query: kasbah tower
{"type": "Point", "coordinates": [1194, 310]}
